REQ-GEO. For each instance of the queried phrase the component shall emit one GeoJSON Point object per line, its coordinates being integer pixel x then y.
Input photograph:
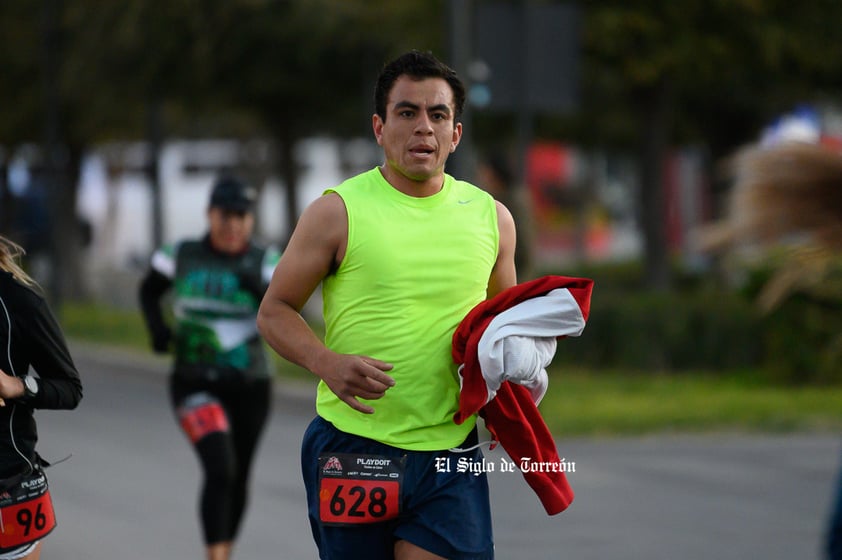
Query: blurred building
{"type": "Point", "coordinates": [583, 205]}
{"type": "Point", "coordinates": [586, 205]}
{"type": "Point", "coordinates": [116, 198]}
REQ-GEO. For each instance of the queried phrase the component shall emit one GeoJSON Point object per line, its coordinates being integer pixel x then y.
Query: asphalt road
{"type": "Point", "coordinates": [129, 490]}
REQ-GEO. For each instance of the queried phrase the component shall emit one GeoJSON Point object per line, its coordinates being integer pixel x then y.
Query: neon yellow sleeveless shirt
{"type": "Point", "coordinates": [413, 269]}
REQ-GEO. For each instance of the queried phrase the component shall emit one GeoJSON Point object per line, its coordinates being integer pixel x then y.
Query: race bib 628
{"type": "Point", "coordinates": [357, 489]}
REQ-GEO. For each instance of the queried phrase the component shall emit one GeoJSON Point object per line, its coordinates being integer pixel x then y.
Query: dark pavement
{"type": "Point", "coordinates": [129, 490]}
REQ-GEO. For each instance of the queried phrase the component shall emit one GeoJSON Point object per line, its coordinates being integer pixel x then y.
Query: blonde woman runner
{"type": "Point", "coordinates": [30, 341]}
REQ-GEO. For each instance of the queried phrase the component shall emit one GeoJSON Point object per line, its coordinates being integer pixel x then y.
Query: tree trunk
{"type": "Point", "coordinates": [69, 231]}
{"type": "Point", "coordinates": [6, 210]}
{"type": "Point", "coordinates": [154, 139]}
{"type": "Point", "coordinates": [289, 173]}
{"type": "Point", "coordinates": [656, 113]}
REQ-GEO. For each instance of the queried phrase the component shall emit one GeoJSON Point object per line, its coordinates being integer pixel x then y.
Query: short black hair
{"type": "Point", "coordinates": [418, 66]}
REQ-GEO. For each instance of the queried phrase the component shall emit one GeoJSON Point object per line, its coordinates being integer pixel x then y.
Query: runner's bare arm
{"type": "Point", "coordinates": [314, 251]}
{"type": "Point", "coordinates": [504, 274]}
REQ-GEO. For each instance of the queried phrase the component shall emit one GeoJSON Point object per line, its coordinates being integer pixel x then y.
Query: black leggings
{"type": "Point", "coordinates": [226, 457]}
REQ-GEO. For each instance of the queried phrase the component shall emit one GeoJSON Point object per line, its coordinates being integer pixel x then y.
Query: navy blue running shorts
{"type": "Point", "coordinates": [357, 512]}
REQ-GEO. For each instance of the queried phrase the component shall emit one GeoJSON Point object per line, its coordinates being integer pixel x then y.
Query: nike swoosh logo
{"type": "Point", "coordinates": [465, 201]}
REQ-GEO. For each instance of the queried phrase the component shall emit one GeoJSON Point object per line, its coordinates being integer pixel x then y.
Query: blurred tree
{"type": "Point", "coordinates": [33, 62]}
{"type": "Point", "coordinates": [155, 68]}
{"type": "Point", "coordinates": [782, 234]}
{"type": "Point", "coordinates": [260, 66]}
{"type": "Point", "coordinates": [655, 73]}
{"type": "Point", "coordinates": [712, 72]}
{"type": "Point", "coordinates": [21, 95]}
{"type": "Point", "coordinates": [304, 68]}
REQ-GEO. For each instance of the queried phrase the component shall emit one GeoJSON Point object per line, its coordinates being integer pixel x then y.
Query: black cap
{"type": "Point", "coordinates": [232, 194]}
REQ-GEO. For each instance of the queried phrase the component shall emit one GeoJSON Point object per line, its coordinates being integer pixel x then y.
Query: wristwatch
{"type": "Point", "coordinates": [30, 387]}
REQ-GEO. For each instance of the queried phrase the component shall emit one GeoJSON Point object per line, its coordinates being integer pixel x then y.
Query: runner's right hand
{"type": "Point", "coordinates": [353, 377]}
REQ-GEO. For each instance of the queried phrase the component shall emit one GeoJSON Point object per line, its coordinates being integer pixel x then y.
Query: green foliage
{"type": "Point", "coordinates": [667, 332]}
{"type": "Point", "coordinates": [704, 327]}
{"type": "Point", "coordinates": [803, 327]}
{"type": "Point", "coordinates": [104, 324]}
{"type": "Point", "coordinates": [804, 341]}
{"type": "Point", "coordinates": [21, 95]}
{"type": "Point", "coordinates": [124, 329]}
{"type": "Point", "coordinates": [734, 59]}
{"type": "Point", "coordinates": [730, 65]}
{"type": "Point", "coordinates": [299, 65]}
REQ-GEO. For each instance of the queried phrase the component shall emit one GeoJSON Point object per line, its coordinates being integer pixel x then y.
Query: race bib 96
{"type": "Point", "coordinates": [26, 511]}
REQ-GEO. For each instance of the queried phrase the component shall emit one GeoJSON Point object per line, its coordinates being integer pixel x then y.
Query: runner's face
{"type": "Point", "coordinates": [420, 131]}
{"type": "Point", "coordinates": [230, 231]}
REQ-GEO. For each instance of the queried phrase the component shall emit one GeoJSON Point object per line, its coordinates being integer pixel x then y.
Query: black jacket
{"type": "Point", "coordinates": [30, 336]}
